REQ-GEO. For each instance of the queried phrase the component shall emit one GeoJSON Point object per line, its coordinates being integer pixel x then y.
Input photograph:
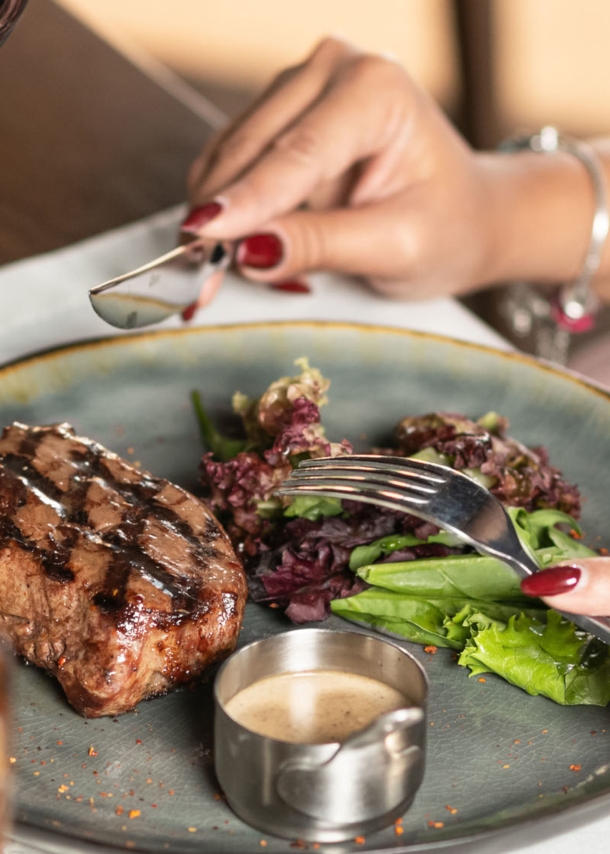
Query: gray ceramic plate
{"type": "Point", "coordinates": [499, 760]}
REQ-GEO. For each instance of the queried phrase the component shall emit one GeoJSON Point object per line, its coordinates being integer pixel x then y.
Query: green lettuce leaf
{"type": "Point", "coordinates": [550, 658]}
{"type": "Point", "coordinates": [312, 507]}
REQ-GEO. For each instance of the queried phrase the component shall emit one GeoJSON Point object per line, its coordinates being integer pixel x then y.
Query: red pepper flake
{"type": "Point", "coordinates": [134, 813]}
{"type": "Point", "coordinates": [399, 830]}
{"type": "Point", "coordinates": [273, 605]}
{"type": "Point", "coordinates": [431, 649]}
{"type": "Point", "coordinates": [262, 843]}
{"type": "Point", "coordinates": [61, 661]}
{"type": "Point", "coordinates": [298, 843]}
{"type": "Point", "coordinates": [481, 679]}
{"type": "Point", "coordinates": [360, 840]}
{"type": "Point", "coordinates": [315, 845]}
{"type": "Point", "coordinates": [171, 792]}
{"type": "Point", "coordinates": [451, 809]}
{"type": "Point", "coordinates": [63, 788]}
{"type": "Point", "coordinates": [517, 741]}
{"type": "Point", "coordinates": [92, 751]}
{"type": "Point", "coordinates": [59, 742]}
{"type": "Point", "coordinates": [154, 806]}
{"type": "Point", "coordinates": [593, 732]}
{"type": "Point", "coordinates": [575, 767]}
{"type": "Point", "coordinates": [436, 824]}
{"type": "Point", "coordinates": [575, 534]}
{"type": "Point", "coordinates": [544, 731]}
{"type": "Point", "coordinates": [119, 810]}
{"type": "Point", "coordinates": [138, 741]}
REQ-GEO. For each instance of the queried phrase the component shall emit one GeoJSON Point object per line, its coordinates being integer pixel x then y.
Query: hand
{"type": "Point", "coordinates": [581, 587]}
{"type": "Point", "coordinates": [345, 164]}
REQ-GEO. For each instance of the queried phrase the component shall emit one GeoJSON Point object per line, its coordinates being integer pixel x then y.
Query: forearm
{"type": "Point", "coordinates": [540, 216]}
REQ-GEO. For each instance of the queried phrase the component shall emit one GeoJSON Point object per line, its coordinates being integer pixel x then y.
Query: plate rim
{"type": "Point", "coordinates": [105, 342]}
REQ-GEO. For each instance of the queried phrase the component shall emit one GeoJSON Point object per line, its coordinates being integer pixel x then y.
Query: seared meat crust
{"type": "Point", "coordinates": [119, 583]}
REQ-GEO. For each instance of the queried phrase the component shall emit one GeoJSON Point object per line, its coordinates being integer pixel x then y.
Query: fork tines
{"type": "Point", "coordinates": [395, 482]}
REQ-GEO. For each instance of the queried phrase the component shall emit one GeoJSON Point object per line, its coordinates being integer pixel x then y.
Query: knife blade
{"type": "Point", "coordinates": [159, 289]}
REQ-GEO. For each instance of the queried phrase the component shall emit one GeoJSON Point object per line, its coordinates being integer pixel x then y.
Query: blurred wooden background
{"type": "Point", "coordinates": [548, 60]}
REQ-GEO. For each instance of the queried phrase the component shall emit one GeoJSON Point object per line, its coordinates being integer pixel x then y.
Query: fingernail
{"type": "Point", "coordinates": [200, 216]}
{"type": "Point", "coordinates": [552, 582]}
{"type": "Point", "coordinates": [189, 312]}
{"type": "Point", "coordinates": [261, 251]}
{"type": "Point", "coordinates": [292, 286]}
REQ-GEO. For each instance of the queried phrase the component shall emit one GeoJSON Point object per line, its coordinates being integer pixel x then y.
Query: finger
{"type": "Point", "coordinates": [290, 93]}
{"type": "Point", "coordinates": [210, 288]}
{"type": "Point", "coordinates": [372, 241]}
{"type": "Point", "coordinates": [328, 139]}
{"type": "Point", "coordinates": [580, 587]}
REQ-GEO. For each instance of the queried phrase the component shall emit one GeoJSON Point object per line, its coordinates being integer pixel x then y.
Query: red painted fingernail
{"type": "Point", "coordinates": [293, 286]}
{"type": "Point", "coordinates": [200, 216]}
{"type": "Point", "coordinates": [260, 250]}
{"type": "Point", "coordinates": [189, 312]}
{"type": "Point", "coordinates": [552, 582]}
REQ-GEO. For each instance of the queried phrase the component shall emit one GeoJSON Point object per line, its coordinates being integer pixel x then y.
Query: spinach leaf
{"type": "Point", "coordinates": [221, 447]}
{"type": "Point", "coordinates": [422, 619]}
{"type": "Point", "coordinates": [467, 576]}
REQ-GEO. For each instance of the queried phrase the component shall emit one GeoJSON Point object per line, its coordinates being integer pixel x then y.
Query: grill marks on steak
{"type": "Point", "coordinates": [118, 582]}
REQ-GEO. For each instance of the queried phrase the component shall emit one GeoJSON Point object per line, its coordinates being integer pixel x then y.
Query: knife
{"type": "Point", "coordinates": [163, 287]}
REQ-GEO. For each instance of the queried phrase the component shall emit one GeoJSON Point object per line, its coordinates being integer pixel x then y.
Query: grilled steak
{"type": "Point", "coordinates": [119, 583]}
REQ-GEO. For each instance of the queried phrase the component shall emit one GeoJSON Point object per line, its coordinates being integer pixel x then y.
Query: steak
{"type": "Point", "coordinates": [120, 584]}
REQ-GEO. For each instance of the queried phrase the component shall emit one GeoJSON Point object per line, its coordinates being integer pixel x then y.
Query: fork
{"type": "Point", "coordinates": [439, 494]}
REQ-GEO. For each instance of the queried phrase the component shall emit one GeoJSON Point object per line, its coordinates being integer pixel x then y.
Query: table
{"type": "Point", "coordinates": [68, 171]}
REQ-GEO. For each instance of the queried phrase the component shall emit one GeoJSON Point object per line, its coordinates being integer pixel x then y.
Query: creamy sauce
{"type": "Point", "coordinates": [313, 707]}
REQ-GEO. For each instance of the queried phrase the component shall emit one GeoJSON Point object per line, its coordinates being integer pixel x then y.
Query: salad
{"type": "Point", "coordinates": [313, 556]}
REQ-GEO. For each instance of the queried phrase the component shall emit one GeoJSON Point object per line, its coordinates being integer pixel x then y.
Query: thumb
{"type": "Point", "coordinates": [372, 241]}
{"type": "Point", "coordinates": [578, 587]}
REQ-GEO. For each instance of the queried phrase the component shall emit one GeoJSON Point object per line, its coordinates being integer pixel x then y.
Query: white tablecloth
{"type": "Point", "coordinates": [43, 303]}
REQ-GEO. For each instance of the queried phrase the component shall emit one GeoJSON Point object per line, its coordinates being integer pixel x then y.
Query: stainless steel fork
{"type": "Point", "coordinates": [441, 495]}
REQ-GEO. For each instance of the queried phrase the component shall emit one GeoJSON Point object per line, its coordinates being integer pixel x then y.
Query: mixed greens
{"type": "Point", "coordinates": [395, 572]}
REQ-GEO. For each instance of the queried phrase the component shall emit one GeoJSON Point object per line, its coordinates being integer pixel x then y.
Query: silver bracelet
{"type": "Point", "coordinates": [576, 303]}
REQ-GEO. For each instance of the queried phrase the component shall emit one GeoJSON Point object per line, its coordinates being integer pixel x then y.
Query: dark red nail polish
{"type": "Point", "coordinates": [189, 312]}
{"type": "Point", "coordinates": [552, 582]}
{"type": "Point", "coordinates": [200, 216]}
{"type": "Point", "coordinates": [261, 251]}
{"type": "Point", "coordinates": [293, 286]}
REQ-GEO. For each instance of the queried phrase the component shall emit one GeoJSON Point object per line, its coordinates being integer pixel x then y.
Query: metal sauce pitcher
{"type": "Point", "coordinates": [322, 792]}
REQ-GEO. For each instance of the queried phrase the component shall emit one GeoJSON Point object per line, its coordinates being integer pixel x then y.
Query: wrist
{"type": "Point", "coordinates": [540, 211]}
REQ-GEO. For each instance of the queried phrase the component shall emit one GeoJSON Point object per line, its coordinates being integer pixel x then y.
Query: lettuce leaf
{"type": "Point", "coordinates": [550, 658]}
{"type": "Point", "coordinates": [312, 507]}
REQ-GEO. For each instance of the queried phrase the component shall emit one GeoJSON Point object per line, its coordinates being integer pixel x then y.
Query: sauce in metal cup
{"type": "Point", "coordinates": [316, 777]}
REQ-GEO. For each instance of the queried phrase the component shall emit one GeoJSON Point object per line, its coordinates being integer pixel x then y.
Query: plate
{"type": "Point", "coordinates": [498, 759]}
